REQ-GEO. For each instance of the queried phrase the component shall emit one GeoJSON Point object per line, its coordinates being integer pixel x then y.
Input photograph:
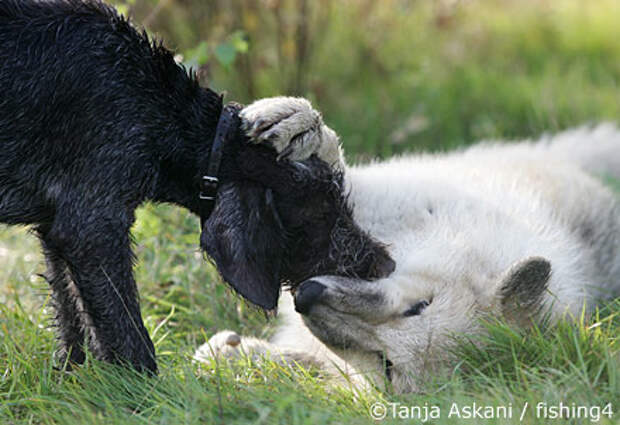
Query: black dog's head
{"type": "Point", "coordinates": [280, 222]}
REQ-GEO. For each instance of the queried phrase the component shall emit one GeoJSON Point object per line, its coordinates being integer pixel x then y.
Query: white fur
{"type": "Point", "coordinates": [455, 224]}
{"type": "Point", "coordinates": [290, 122]}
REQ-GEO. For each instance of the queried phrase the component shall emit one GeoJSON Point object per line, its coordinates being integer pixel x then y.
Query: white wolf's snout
{"type": "Point", "coordinates": [347, 296]}
{"type": "Point", "coordinates": [308, 294]}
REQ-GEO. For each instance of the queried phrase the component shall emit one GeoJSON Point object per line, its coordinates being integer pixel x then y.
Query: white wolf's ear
{"type": "Point", "coordinates": [522, 287]}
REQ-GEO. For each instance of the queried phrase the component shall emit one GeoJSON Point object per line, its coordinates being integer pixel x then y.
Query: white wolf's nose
{"type": "Point", "coordinates": [307, 294]}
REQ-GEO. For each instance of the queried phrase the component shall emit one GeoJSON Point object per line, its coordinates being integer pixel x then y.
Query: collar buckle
{"type": "Point", "coordinates": [208, 188]}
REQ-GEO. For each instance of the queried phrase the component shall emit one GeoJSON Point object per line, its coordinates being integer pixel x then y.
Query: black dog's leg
{"type": "Point", "coordinates": [69, 308]}
{"type": "Point", "coordinates": [99, 258]}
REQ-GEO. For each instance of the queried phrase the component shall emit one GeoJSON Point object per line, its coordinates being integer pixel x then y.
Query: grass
{"type": "Point", "coordinates": [423, 78]}
{"type": "Point", "coordinates": [419, 76]}
{"type": "Point", "coordinates": [571, 363]}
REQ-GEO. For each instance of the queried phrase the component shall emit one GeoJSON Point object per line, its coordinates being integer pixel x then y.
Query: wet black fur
{"type": "Point", "coordinates": [286, 222]}
{"type": "Point", "coordinates": [94, 120]}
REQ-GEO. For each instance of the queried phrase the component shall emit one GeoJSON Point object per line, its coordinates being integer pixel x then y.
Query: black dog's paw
{"type": "Point", "coordinates": [142, 358]}
{"type": "Point", "coordinates": [67, 359]}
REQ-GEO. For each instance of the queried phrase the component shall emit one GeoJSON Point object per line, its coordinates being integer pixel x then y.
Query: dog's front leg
{"type": "Point", "coordinates": [97, 251]}
{"type": "Point", "coordinates": [293, 128]}
{"type": "Point", "coordinates": [66, 302]}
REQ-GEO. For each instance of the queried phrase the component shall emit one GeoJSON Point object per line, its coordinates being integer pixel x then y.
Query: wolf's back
{"type": "Point", "coordinates": [596, 149]}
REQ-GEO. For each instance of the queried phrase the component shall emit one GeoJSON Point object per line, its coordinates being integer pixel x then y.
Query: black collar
{"type": "Point", "coordinates": [209, 178]}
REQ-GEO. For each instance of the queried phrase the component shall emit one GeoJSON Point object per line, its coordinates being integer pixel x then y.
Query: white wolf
{"type": "Point", "coordinates": [502, 229]}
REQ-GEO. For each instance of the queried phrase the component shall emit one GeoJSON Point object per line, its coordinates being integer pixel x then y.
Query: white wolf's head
{"type": "Point", "coordinates": [398, 328]}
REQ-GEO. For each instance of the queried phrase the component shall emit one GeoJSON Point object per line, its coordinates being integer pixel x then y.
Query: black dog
{"type": "Point", "coordinates": [94, 120]}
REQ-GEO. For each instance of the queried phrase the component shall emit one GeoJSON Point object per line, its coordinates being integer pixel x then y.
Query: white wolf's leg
{"type": "Point", "coordinates": [293, 128]}
{"type": "Point", "coordinates": [230, 345]}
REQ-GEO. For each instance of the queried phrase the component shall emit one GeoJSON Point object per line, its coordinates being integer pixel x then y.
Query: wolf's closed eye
{"type": "Point", "coordinates": [416, 309]}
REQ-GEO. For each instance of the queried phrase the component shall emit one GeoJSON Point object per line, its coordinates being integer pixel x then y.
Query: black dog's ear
{"type": "Point", "coordinates": [245, 238]}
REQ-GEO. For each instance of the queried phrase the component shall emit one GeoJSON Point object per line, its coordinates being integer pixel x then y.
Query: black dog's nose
{"type": "Point", "coordinates": [307, 294]}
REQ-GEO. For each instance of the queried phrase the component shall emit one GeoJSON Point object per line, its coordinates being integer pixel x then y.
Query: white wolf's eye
{"type": "Point", "coordinates": [416, 309]}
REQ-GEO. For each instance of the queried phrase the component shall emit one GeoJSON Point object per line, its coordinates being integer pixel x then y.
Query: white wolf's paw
{"type": "Point", "coordinates": [293, 128]}
{"type": "Point", "coordinates": [230, 345]}
{"type": "Point", "coordinates": [223, 344]}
